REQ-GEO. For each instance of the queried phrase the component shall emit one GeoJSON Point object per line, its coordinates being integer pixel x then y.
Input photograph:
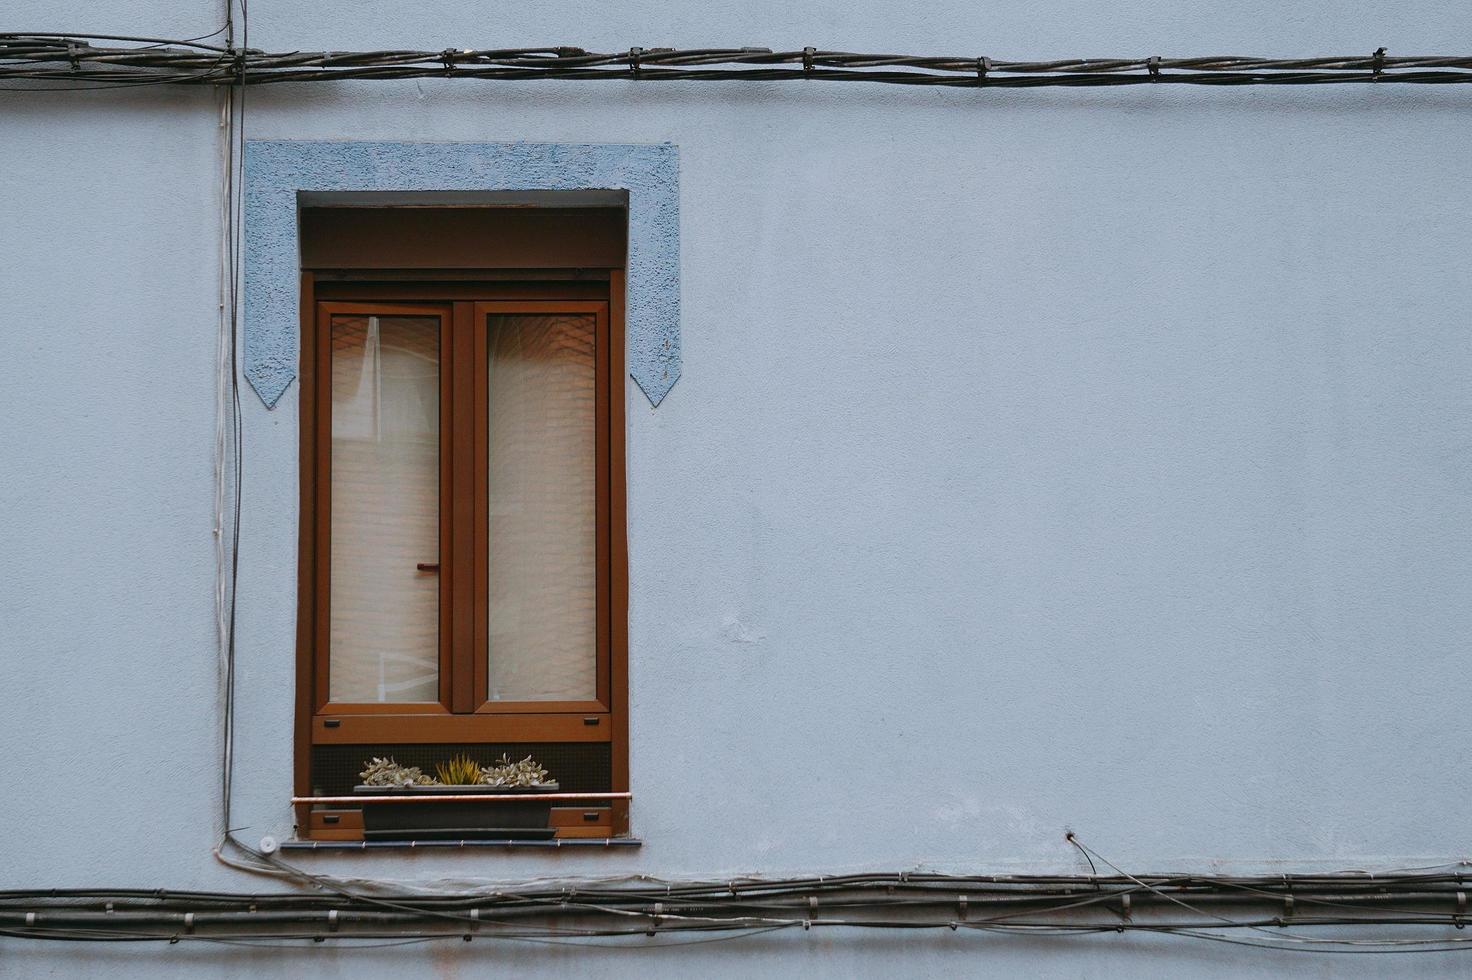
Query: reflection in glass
{"type": "Point", "coordinates": [384, 629]}
{"type": "Point", "coordinates": [543, 495]}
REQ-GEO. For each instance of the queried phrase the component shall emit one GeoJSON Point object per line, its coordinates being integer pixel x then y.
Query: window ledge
{"type": "Point", "coordinates": [555, 843]}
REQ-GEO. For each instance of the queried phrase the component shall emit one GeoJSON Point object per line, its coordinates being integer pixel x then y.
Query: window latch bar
{"type": "Point", "coordinates": [428, 566]}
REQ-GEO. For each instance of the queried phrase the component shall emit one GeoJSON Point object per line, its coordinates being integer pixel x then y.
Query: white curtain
{"type": "Point", "coordinates": [385, 509]}
{"type": "Point", "coordinates": [543, 518]}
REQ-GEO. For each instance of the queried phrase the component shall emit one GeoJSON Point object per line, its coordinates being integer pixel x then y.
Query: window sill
{"type": "Point", "coordinates": [554, 843]}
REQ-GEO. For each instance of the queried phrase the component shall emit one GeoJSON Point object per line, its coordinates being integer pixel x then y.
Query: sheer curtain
{"type": "Point", "coordinates": [543, 518]}
{"type": "Point", "coordinates": [384, 628]}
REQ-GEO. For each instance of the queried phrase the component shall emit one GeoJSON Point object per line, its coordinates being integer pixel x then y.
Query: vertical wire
{"type": "Point", "coordinates": [228, 413]}
{"type": "Point", "coordinates": [236, 218]}
{"type": "Point", "coordinates": [223, 442]}
{"type": "Point", "coordinates": [222, 368]}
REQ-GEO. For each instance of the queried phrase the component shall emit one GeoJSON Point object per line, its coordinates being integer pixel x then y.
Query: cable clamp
{"type": "Point", "coordinates": [634, 55]}
{"type": "Point", "coordinates": [1377, 63]}
{"type": "Point", "coordinates": [807, 59]}
{"type": "Point", "coordinates": [1287, 907]}
{"type": "Point", "coordinates": [960, 909]}
{"type": "Point", "coordinates": [30, 920]}
{"type": "Point", "coordinates": [1124, 907]}
{"type": "Point", "coordinates": [189, 922]}
{"type": "Point", "coordinates": [474, 920]}
{"type": "Point", "coordinates": [448, 57]}
{"type": "Point", "coordinates": [1154, 67]}
{"type": "Point", "coordinates": [983, 68]}
{"type": "Point", "coordinates": [73, 55]}
{"type": "Point", "coordinates": [332, 920]}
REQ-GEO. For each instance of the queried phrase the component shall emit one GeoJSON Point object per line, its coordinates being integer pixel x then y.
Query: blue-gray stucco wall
{"type": "Point", "coordinates": [1039, 460]}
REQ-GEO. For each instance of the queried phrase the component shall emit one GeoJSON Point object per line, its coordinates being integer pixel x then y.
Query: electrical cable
{"type": "Point", "coordinates": [147, 44]}
{"type": "Point", "coordinates": [1279, 939]}
{"type": "Point", "coordinates": [76, 59]}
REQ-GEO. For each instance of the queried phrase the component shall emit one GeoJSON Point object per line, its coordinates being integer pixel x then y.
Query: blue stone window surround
{"type": "Point", "coordinates": [277, 171]}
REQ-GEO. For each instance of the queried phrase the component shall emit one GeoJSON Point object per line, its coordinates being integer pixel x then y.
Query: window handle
{"type": "Point", "coordinates": [428, 566]}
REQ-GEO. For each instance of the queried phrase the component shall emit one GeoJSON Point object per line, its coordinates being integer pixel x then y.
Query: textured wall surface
{"type": "Point", "coordinates": [1040, 460]}
{"type": "Point", "coordinates": [276, 171]}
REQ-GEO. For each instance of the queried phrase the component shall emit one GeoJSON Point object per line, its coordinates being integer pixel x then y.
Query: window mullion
{"type": "Point", "coordinates": [461, 517]}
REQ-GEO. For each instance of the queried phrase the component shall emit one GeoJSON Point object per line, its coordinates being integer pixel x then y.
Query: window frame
{"type": "Point", "coordinates": [463, 713]}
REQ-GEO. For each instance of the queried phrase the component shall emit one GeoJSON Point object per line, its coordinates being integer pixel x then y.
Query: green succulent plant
{"type": "Point", "coordinates": [504, 772]}
{"type": "Point", "coordinates": [460, 770]}
{"type": "Point", "coordinates": [387, 772]}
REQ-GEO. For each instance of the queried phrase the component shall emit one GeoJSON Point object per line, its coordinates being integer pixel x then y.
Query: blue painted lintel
{"type": "Point", "coordinates": [276, 171]}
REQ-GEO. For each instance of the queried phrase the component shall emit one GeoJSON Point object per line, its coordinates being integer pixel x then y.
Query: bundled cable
{"type": "Point", "coordinates": [101, 60]}
{"type": "Point", "coordinates": [1408, 911]}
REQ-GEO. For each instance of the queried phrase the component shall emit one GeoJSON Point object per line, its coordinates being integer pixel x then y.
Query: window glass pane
{"type": "Point", "coordinates": [385, 508]}
{"type": "Point", "coordinates": [543, 518]}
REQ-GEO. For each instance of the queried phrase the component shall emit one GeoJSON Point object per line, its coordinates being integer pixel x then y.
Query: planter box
{"type": "Point", "coordinates": [526, 820]}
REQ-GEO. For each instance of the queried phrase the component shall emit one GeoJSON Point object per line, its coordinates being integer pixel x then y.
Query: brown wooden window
{"type": "Point", "coordinates": [462, 541]}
